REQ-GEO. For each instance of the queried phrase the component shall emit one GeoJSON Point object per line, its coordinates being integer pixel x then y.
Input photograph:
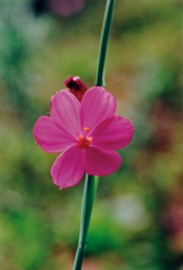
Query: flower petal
{"type": "Point", "coordinates": [65, 111]}
{"type": "Point", "coordinates": [99, 162]}
{"type": "Point", "coordinates": [113, 133]}
{"type": "Point", "coordinates": [69, 168]}
{"type": "Point", "coordinates": [97, 105]}
{"type": "Point", "coordinates": [49, 137]}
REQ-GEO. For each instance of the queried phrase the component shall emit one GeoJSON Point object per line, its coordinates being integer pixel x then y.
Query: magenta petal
{"type": "Point", "coordinates": [65, 111]}
{"type": "Point", "coordinates": [49, 137]}
{"type": "Point", "coordinates": [99, 162]}
{"type": "Point", "coordinates": [97, 105]}
{"type": "Point", "coordinates": [113, 133]}
{"type": "Point", "coordinates": [69, 168]}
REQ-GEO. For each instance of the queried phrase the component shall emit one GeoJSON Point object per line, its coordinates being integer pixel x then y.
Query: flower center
{"type": "Point", "coordinates": [83, 140]}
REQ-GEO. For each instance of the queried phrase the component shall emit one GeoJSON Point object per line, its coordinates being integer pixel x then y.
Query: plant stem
{"type": "Point", "coordinates": [104, 40]}
{"type": "Point", "coordinates": [91, 182]}
{"type": "Point", "coordinates": [87, 203]}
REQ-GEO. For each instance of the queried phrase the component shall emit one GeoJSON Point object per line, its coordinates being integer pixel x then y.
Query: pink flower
{"type": "Point", "coordinates": [86, 133]}
{"type": "Point", "coordinates": [66, 8]}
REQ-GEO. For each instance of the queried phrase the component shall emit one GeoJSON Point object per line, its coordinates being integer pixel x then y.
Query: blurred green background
{"type": "Point", "coordinates": [137, 221]}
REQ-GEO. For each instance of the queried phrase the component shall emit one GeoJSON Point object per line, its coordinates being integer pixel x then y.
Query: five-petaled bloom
{"type": "Point", "coordinates": [87, 133]}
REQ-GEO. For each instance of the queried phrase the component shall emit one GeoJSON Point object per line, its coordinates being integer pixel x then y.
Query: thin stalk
{"type": "Point", "coordinates": [91, 182]}
{"type": "Point", "coordinates": [104, 41]}
{"type": "Point", "coordinates": [87, 203]}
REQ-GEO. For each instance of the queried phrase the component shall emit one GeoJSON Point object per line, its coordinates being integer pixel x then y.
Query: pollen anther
{"type": "Point", "coordinates": [84, 141]}
{"type": "Point", "coordinates": [86, 129]}
{"type": "Point", "coordinates": [80, 137]}
{"type": "Point", "coordinates": [89, 139]}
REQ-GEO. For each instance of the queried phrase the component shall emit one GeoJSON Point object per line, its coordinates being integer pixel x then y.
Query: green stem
{"type": "Point", "coordinates": [90, 185]}
{"type": "Point", "coordinates": [104, 40]}
{"type": "Point", "coordinates": [87, 203]}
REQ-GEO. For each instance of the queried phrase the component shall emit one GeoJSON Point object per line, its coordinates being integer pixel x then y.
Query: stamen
{"type": "Point", "coordinates": [86, 129]}
{"type": "Point", "coordinates": [80, 137]}
{"type": "Point", "coordinates": [83, 141]}
{"type": "Point", "coordinates": [89, 139]}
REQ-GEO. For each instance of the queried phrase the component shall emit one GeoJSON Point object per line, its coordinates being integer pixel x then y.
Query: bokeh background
{"type": "Point", "coordinates": [137, 221]}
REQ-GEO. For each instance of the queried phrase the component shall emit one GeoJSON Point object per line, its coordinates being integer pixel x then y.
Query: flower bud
{"type": "Point", "coordinates": [76, 86]}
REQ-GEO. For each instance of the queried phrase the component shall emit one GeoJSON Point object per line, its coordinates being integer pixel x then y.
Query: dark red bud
{"type": "Point", "coordinates": [75, 86]}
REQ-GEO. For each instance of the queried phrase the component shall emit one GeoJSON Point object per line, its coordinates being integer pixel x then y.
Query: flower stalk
{"type": "Point", "coordinates": [89, 191]}
{"type": "Point", "coordinates": [104, 41]}
{"type": "Point", "coordinates": [91, 182]}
